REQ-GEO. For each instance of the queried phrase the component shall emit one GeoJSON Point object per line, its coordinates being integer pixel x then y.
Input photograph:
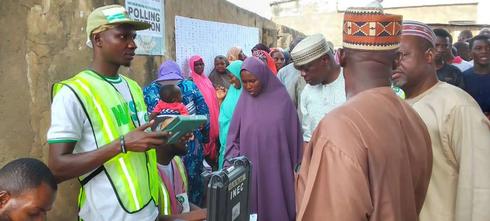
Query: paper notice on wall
{"type": "Point", "coordinates": [209, 39]}
{"type": "Point", "coordinates": [152, 40]}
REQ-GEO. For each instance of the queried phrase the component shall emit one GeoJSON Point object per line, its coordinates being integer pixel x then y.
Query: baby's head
{"type": "Point", "coordinates": [170, 94]}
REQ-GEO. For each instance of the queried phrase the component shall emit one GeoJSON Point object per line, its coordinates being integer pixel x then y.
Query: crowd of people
{"type": "Point", "coordinates": [394, 125]}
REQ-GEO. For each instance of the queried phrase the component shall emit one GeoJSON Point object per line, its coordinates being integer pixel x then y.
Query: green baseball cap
{"type": "Point", "coordinates": [111, 15]}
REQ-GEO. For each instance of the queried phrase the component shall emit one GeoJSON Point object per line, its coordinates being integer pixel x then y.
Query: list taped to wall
{"type": "Point", "coordinates": [208, 39]}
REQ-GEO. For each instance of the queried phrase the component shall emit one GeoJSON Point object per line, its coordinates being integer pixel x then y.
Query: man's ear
{"type": "Point", "coordinates": [326, 58]}
{"type": "Point", "coordinates": [342, 57]}
{"type": "Point", "coordinates": [4, 198]}
{"type": "Point", "coordinates": [97, 40]}
{"type": "Point", "coordinates": [430, 55]}
{"type": "Point", "coordinates": [397, 60]}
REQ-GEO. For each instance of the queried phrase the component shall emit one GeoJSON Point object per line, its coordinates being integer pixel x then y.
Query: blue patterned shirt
{"type": "Point", "coordinates": [192, 99]}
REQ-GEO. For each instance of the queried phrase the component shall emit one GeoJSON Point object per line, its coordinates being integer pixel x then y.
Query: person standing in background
{"type": "Point", "coordinates": [235, 53]}
{"type": "Point", "coordinates": [261, 47]}
{"type": "Point", "coordinates": [169, 73]}
{"type": "Point", "coordinates": [220, 76]}
{"type": "Point", "coordinates": [278, 57]}
{"type": "Point", "coordinates": [369, 159]}
{"type": "Point", "coordinates": [477, 79]}
{"type": "Point", "coordinates": [267, 59]}
{"type": "Point", "coordinates": [459, 188]}
{"type": "Point", "coordinates": [265, 128]}
{"type": "Point", "coordinates": [446, 70]}
{"type": "Point", "coordinates": [326, 86]}
{"type": "Point", "coordinates": [464, 50]}
{"type": "Point", "coordinates": [444, 44]}
{"type": "Point", "coordinates": [228, 107]}
{"type": "Point", "coordinates": [197, 75]}
{"type": "Point", "coordinates": [465, 36]}
{"type": "Point", "coordinates": [291, 78]}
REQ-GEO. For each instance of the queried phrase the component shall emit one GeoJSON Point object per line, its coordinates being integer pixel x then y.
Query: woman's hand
{"type": "Point", "coordinates": [221, 93]}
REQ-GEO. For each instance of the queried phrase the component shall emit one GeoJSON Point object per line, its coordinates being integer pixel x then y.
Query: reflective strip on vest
{"type": "Point", "coordinates": [183, 174]}
{"type": "Point", "coordinates": [132, 175]}
{"type": "Point", "coordinates": [166, 205]}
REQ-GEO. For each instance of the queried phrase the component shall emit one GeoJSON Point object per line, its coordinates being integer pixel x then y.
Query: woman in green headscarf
{"type": "Point", "coordinates": [228, 107]}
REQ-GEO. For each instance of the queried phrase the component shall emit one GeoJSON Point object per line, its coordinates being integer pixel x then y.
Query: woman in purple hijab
{"type": "Point", "coordinates": [265, 128]}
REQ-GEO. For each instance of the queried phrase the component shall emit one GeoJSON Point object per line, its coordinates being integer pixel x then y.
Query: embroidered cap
{"type": "Point", "coordinates": [111, 15]}
{"type": "Point", "coordinates": [309, 49]}
{"type": "Point", "coordinates": [369, 28]}
{"type": "Point", "coordinates": [419, 29]}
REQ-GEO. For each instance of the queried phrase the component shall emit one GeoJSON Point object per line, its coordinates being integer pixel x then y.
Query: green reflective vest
{"type": "Point", "coordinates": [134, 175]}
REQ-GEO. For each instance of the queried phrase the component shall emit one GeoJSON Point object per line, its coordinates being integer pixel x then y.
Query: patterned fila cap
{"type": "Point", "coordinates": [371, 29]}
{"type": "Point", "coordinates": [310, 49]}
{"type": "Point", "coordinates": [419, 29]}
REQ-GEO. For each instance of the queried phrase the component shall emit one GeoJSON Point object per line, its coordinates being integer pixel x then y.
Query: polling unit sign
{"type": "Point", "coordinates": [152, 40]}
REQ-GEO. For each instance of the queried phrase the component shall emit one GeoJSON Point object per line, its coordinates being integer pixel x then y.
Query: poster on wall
{"type": "Point", "coordinates": [209, 39]}
{"type": "Point", "coordinates": [150, 41]}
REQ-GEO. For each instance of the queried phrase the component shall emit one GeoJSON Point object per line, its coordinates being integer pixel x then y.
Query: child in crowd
{"type": "Point", "coordinates": [170, 102]}
{"type": "Point", "coordinates": [173, 192]}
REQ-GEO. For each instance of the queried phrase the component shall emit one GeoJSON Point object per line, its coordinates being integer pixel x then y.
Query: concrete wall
{"type": "Point", "coordinates": [311, 20]}
{"type": "Point", "coordinates": [43, 41]}
{"type": "Point", "coordinates": [438, 14]}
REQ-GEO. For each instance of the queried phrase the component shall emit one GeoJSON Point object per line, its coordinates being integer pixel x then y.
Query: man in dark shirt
{"type": "Point", "coordinates": [463, 49]}
{"type": "Point", "coordinates": [446, 71]}
{"type": "Point", "coordinates": [477, 79]}
{"type": "Point", "coordinates": [449, 73]}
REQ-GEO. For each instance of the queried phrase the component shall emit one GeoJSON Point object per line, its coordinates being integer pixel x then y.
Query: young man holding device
{"type": "Point", "coordinates": [98, 127]}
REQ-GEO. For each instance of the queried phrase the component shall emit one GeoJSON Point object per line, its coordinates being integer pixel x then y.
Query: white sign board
{"type": "Point", "coordinates": [150, 41]}
{"type": "Point", "coordinates": [209, 39]}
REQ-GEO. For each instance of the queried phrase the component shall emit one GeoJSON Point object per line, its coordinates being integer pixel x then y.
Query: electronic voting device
{"type": "Point", "coordinates": [228, 192]}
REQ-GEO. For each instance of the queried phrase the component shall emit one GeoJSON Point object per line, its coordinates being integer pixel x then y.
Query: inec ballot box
{"type": "Point", "coordinates": [228, 192]}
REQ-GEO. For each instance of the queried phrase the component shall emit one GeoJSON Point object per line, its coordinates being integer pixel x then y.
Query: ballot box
{"type": "Point", "coordinates": [228, 192]}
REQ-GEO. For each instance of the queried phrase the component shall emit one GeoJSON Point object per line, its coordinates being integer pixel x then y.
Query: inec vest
{"type": "Point", "coordinates": [168, 202]}
{"type": "Point", "coordinates": [134, 175]}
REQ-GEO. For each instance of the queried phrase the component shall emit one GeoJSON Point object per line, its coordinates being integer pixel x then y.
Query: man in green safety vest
{"type": "Point", "coordinates": [98, 127]}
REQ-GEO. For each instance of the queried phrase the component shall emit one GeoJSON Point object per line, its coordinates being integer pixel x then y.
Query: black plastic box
{"type": "Point", "coordinates": [228, 192]}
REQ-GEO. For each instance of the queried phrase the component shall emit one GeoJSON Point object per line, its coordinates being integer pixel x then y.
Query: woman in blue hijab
{"type": "Point", "coordinates": [228, 107]}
